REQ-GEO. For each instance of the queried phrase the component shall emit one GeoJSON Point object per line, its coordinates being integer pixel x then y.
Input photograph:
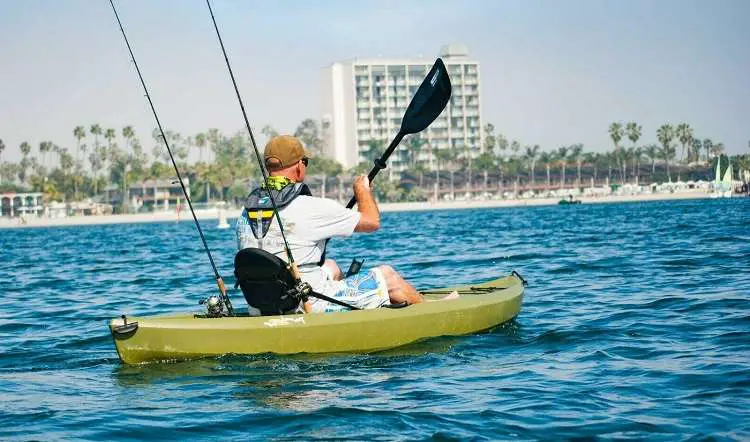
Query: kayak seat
{"type": "Point", "coordinates": [266, 282]}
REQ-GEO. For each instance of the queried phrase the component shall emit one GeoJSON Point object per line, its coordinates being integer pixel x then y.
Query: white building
{"type": "Point", "coordinates": [365, 100]}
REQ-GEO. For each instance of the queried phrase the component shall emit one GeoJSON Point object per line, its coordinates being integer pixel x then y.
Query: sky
{"type": "Point", "coordinates": [553, 72]}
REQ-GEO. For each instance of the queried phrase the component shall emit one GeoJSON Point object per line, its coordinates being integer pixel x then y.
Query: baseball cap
{"type": "Point", "coordinates": [283, 151]}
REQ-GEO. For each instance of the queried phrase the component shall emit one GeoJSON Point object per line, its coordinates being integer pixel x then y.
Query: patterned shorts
{"type": "Point", "coordinates": [363, 290]}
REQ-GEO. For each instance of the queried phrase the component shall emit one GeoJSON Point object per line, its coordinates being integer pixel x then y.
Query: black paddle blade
{"type": "Point", "coordinates": [431, 97]}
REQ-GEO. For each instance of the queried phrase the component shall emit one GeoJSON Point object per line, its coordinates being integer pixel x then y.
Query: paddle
{"type": "Point", "coordinates": [429, 101]}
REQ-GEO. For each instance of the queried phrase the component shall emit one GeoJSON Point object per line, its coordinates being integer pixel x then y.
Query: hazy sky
{"type": "Point", "coordinates": [553, 72]}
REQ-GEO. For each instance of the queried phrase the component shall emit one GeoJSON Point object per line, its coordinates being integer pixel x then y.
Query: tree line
{"type": "Point", "coordinates": [107, 158]}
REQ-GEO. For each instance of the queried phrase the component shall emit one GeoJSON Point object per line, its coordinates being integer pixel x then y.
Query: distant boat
{"type": "Point", "coordinates": [222, 220]}
{"type": "Point", "coordinates": [570, 200]}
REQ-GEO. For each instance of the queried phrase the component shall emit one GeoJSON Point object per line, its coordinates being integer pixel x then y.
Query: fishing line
{"type": "Point", "coordinates": [255, 147]}
{"type": "Point", "coordinates": [219, 280]}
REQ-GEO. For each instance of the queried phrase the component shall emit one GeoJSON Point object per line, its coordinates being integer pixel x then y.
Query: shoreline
{"type": "Point", "coordinates": [213, 214]}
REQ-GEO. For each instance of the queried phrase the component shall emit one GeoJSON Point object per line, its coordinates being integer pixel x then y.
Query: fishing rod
{"type": "Point", "coordinates": [292, 265]}
{"type": "Point", "coordinates": [219, 280]}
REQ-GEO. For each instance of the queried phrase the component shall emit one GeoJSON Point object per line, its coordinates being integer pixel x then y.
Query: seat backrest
{"type": "Point", "coordinates": [265, 281]}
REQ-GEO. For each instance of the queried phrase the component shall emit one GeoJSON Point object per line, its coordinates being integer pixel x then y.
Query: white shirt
{"type": "Point", "coordinates": [308, 222]}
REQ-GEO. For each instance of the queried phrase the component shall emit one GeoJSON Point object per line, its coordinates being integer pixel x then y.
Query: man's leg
{"type": "Point", "coordinates": [334, 270]}
{"type": "Point", "coordinates": [398, 289]}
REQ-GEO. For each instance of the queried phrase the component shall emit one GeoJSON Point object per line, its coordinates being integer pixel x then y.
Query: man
{"type": "Point", "coordinates": [308, 222]}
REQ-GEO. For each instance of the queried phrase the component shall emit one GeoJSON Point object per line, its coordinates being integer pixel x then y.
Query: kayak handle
{"type": "Point", "coordinates": [518, 275]}
{"type": "Point", "coordinates": [125, 329]}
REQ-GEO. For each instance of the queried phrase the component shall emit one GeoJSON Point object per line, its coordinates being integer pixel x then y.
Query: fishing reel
{"type": "Point", "coordinates": [214, 306]}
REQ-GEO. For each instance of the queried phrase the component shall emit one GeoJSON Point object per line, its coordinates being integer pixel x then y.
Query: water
{"type": "Point", "coordinates": [635, 325]}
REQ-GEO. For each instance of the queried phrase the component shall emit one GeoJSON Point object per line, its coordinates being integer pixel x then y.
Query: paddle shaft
{"type": "Point", "coordinates": [379, 164]}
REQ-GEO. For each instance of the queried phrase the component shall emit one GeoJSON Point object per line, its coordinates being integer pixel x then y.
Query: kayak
{"type": "Point", "coordinates": [479, 307]}
{"type": "Point", "coordinates": [566, 202]}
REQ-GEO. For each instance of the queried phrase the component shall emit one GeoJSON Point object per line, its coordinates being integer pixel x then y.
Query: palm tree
{"type": "Point", "coordinates": [80, 133]}
{"type": "Point", "coordinates": [595, 159]}
{"type": "Point", "coordinates": [25, 151]}
{"type": "Point", "coordinates": [653, 153]}
{"type": "Point", "coordinates": [200, 143]}
{"type": "Point", "coordinates": [684, 133]}
{"type": "Point", "coordinates": [468, 160]}
{"type": "Point", "coordinates": [532, 155]}
{"type": "Point", "coordinates": [547, 158]}
{"type": "Point", "coordinates": [490, 141]}
{"type": "Point", "coordinates": [58, 150]}
{"type": "Point", "coordinates": [707, 146]}
{"type": "Point", "coordinates": [696, 148]}
{"type": "Point", "coordinates": [444, 156]}
{"type": "Point", "coordinates": [108, 155]}
{"type": "Point", "coordinates": [44, 147]}
{"type": "Point", "coordinates": [128, 133]}
{"type": "Point", "coordinates": [562, 158]}
{"type": "Point", "coordinates": [2, 148]}
{"type": "Point", "coordinates": [66, 160]}
{"type": "Point", "coordinates": [96, 130]}
{"type": "Point", "coordinates": [502, 146]}
{"type": "Point", "coordinates": [213, 138]}
{"type": "Point", "coordinates": [414, 146]}
{"type": "Point", "coordinates": [637, 156]}
{"type": "Point", "coordinates": [665, 135]}
{"type": "Point", "coordinates": [633, 131]}
{"type": "Point", "coordinates": [515, 146]}
{"type": "Point", "coordinates": [616, 132]}
{"type": "Point", "coordinates": [576, 154]}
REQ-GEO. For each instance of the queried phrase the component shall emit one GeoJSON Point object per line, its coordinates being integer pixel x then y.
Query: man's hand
{"type": "Point", "coordinates": [361, 184]}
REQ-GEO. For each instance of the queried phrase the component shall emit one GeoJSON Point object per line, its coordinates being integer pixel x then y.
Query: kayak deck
{"type": "Point", "coordinates": [189, 336]}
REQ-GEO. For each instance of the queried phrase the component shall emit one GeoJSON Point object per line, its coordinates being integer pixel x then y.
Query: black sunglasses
{"type": "Point", "coordinates": [305, 160]}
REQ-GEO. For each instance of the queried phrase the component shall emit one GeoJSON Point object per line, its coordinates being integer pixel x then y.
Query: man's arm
{"type": "Point", "coordinates": [369, 220]}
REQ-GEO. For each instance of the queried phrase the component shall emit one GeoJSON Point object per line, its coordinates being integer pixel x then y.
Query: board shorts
{"type": "Point", "coordinates": [363, 290]}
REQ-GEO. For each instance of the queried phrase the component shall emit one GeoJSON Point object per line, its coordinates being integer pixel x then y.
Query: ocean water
{"type": "Point", "coordinates": [635, 324]}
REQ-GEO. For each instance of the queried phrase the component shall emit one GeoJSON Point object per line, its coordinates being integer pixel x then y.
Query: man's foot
{"type": "Point", "coordinates": [452, 295]}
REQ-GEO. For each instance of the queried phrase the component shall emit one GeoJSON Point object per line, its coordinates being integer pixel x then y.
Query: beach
{"type": "Point", "coordinates": [214, 214]}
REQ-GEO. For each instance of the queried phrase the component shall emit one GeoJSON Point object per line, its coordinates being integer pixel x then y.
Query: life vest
{"type": "Point", "coordinates": [259, 207]}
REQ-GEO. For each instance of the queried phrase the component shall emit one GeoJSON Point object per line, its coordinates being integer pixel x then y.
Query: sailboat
{"type": "Point", "coordinates": [726, 182]}
{"type": "Point", "coordinates": [223, 224]}
{"type": "Point", "coordinates": [722, 185]}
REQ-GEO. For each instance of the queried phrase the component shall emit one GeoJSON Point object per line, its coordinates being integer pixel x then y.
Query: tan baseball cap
{"type": "Point", "coordinates": [283, 151]}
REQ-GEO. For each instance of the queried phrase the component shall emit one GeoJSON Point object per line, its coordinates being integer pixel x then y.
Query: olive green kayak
{"type": "Point", "coordinates": [189, 336]}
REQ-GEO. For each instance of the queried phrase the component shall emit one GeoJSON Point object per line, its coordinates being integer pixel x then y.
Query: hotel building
{"type": "Point", "coordinates": [365, 100]}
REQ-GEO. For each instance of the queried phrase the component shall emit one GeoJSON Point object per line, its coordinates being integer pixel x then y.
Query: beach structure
{"type": "Point", "coordinates": [157, 195]}
{"type": "Point", "coordinates": [14, 204]}
{"type": "Point", "coordinates": [364, 100]}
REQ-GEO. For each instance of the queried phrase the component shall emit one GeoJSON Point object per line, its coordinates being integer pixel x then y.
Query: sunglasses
{"type": "Point", "coordinates": [305, 161]}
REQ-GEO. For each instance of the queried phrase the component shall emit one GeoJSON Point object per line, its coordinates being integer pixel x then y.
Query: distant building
{"type": "Point", "coordinates": [19, 204]}
{"type": "Point", "coordinates": [365, 100]}
{"type": "Point", "coordinates": [157, 195]}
